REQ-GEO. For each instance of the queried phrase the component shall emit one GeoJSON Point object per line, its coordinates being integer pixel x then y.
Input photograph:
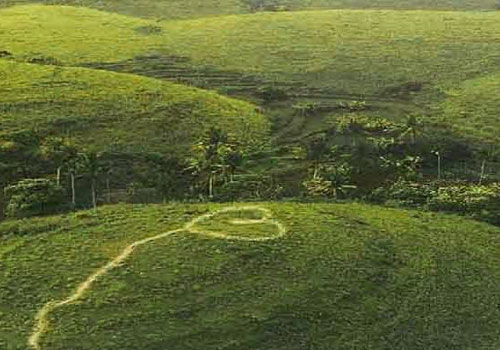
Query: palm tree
{"type": "Point", "coordinates": [59, 151]}
{"type": "Point", "coordinates": [209, 159]}
{"type": "Point", "coordinates": [316, 151]}
{"type": "Point", "coordinates": [412, 129]}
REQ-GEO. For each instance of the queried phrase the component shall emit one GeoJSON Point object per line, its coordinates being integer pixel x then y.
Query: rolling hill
{"type": "Point", "coordinates": [104, 109]}
{"type": "Point", "coordinates": [344, 276]}
{"type": "Point", "coordinates": [175, 9]}
{"type": "Point", "coordinates": [399, 62]}
{"type": "Point", "coordinates": [311, 47]}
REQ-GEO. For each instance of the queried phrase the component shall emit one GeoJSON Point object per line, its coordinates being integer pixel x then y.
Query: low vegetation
{"type": "Point", "coordinates": [345, 275]}
{"type": "Point", "coordinates": [176, 9]}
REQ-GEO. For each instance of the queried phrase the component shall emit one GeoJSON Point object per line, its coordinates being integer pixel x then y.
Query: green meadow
{"type": "Point", "coordinates": [386, 57]}
{"type": "Point", "coordinates": [181, 9]}
{"type": "Point", "coordinates": [347, 276]}
{"type": "Point", "coordinates": [331, 117]}
{"type": "Point", "coordinates": [103, 109]}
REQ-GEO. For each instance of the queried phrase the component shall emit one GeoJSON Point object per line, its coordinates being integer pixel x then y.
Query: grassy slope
{"type": "Point", "coordinates": [345, 277]}
{"type": "Point", "coordinates": [200, 8]}
{"type": "Point", "coordinates": [476, 105]}
{"type": "Point", "coordinates": [313, 50]}
{"type": "Point", "coordinates": [314, 47]}
{"type": "Point", "coordinates": [103, 108]}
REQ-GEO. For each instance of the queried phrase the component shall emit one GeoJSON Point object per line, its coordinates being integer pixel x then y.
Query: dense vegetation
{"type": "Point", "coordinates": [345, 275]}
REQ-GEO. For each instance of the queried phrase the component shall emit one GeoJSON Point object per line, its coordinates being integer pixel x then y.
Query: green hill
{"type": "Point", "coordinates": [103, 109]}
{"type": "Point", "coordinates": [474, 108]}
{"type": "Point", "coordinates": [345, 276]}
{"type": "Point", "coordinates": [197, 8]}
{"type": "Point", "coordinates": [312, 47]}
{"type": "Point", "coordinates": [397, 61]}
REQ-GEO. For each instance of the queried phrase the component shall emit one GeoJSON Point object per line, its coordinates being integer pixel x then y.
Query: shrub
{"type": "Point", "coordinates": [250, 188]}
{"type": "Point", "coordinates": [31, 197]}
{"type": "Point", "coordinates": [477, 201]}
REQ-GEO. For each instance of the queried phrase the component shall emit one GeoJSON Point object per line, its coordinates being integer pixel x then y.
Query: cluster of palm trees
{"type": "Point", "coordinates": [216, 158]}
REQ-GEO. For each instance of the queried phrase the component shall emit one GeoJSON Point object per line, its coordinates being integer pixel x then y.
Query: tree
{"type": "Point", "coordinates": [207, 162]}
{"type": "Point", "coordinates": [317, 151]}
{"type": "Point", "coordinates": [233, 158]}
{"type": "Point", "coordinates": [30, 197]}
{"type": "Point", "coordinates": [90, 164]}
{"type": "Point", "coordinates": [412, 129]}
{"type": "Point", "coordinates": [59, 151]}
{"type": "Point", "coordinates": [487, 154]}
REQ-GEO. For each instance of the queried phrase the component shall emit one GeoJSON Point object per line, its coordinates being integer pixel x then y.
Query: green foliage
{"type": "Point", "coordinates": [477, 201]}
{"type": "Point", "coordinates": [481, 202]}
{"type": "Point", "coordinates": [31, 197]}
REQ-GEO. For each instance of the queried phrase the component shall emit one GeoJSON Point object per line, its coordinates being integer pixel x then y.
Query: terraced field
{"type": "Point", "coordinates": [350, 276]}
{"type": "Point", "coordinates": [103, 109]}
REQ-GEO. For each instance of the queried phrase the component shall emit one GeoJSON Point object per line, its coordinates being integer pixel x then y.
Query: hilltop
{"type": "Point", "coordinates": [175, 9]}
{"type": "Point", "coordinates": [347, 276]}
{"type": "Point", "coordinates": [404, 61]}
{"type": "Point", "coordinates": [101, 110]}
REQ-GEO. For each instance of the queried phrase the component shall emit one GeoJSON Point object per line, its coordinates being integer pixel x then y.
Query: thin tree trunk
{"type": "Point", "coordinates": [94, 199]}
{"type": "Point", "coordinates": [483, 168]}
{"type": "Point", "coordinates": [316, 170]}
{"type": "Point", "coordinates": [439, 167]}
{"type": "Point", "coordinates": [211, 186]}
{"type": "Point", "coordinates": [73, 190]}
{"type": "Point", "coordinates": [58, 176]}
{"type": "Point", "coordinates": [108, 190]}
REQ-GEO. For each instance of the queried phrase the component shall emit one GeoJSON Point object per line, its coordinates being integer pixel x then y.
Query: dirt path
{"type": "Point", "coordinates": [41, 319]}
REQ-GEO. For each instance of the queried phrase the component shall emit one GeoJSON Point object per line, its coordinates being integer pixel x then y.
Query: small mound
{"type": "Point", "coordinates": [102, 109]}
{"type": "Point", "coordinates": [239, 223]}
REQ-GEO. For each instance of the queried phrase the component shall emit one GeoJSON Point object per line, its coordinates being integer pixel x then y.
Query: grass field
{"type": "Point", "coordinates": [103, 109]}
{"type": "Point", "coordinates": [314, 47]}
{"type": "Point", "coordinates": [344, 276]}
{"type": "Point", "coordinates": [174, 9]}
{"type": "Point", "coordinates": [394, 60]}
{"type": "Point", "coordinates": [474, 108]}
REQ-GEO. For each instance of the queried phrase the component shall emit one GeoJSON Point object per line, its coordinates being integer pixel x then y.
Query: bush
{"type": "Point", "coordinates": [31, 197]}
{"type": "Point", "coordinates": [405, 193]}
{"type": "Point", "coordinates": [480, 202]}
{"type": "Point", "coordinates": [250, 188]}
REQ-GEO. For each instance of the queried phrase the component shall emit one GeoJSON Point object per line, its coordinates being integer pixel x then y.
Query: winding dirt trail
{"type": "Point", "coordinates": [41, 318]}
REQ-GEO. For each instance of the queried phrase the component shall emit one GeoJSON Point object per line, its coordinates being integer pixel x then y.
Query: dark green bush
{"type": "Point", "coordinates": [31, 197]}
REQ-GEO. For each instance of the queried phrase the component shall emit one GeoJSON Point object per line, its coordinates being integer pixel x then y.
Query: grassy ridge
{"type": "Point", "coordinates": [313, 47]}
{"type": "Point", "coordinates": [195, 8]}
{"type": "Point", "coordinates": [102, 109]}
{"type": "Point", "coordinates": [345, 276]}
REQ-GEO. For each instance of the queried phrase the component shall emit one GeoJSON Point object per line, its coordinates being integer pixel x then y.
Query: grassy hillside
{"type": "Point", "coordinates": [104, 109]}
{"type": "Point", "coordinates": [397, 61]}
{"type": "Point", "coordinates": [474, 108]}
{"type": "Point", "coordinates": [344, 276]}
{"type": "Point", "coordinates": [198, 8]}
{"type": "Point", "coordinates": [348, 51]}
